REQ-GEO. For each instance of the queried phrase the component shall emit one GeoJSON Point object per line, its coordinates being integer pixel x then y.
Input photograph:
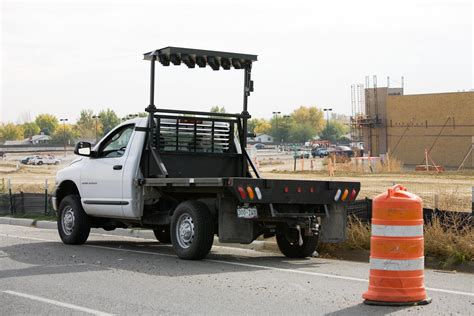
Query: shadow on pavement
{"type": "Point", "coordinates": [151, 258]}
{"type": "Point", "coordinates": [363, 309]}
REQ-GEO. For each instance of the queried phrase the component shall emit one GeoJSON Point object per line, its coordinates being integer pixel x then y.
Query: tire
{"type": "Point", "coordinates": [77, 232]}
{"type": "Point", "coordinates": [321, 156]}
{"type": "Point", "coordinates": [39, 163]}
{"type": "Point", "coordinates": [162, 234]}
{"type": "Point", "coordinates": [194, 240]}
{"type": "Point", "coordinates": [293, 249]}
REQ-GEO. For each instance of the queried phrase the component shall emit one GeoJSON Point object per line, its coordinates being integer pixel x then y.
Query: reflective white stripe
{"type": "Point", "coordinates": [397, 265]}
{"type": "Point", "coordinates": [397, 231]}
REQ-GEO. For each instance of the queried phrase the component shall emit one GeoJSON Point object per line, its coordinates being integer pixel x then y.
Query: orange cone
{"type": "Point", "coordinates": [396, 250]}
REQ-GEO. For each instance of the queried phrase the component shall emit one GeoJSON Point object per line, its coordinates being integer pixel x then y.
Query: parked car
{"type": "Point", "coordinates": [47, 160]}
{"type": "Point", "coordinates": [259, 146]}
{"type": "Point", "coordinates": [320, 152]}
{"type": "Point", "coordinates": [344, 151]}
{"type": "Point", "coordinates": [26, 159]}
{"type": "Point", "coordinates": [2, 154]}
{"type": "Point", "coordinates": [301, 154]}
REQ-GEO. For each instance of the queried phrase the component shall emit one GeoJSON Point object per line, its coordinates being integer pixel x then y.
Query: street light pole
{"type": "Point", "coordinates": [275, 114]}
{"type": "Point", "coordinates": [64, 120]}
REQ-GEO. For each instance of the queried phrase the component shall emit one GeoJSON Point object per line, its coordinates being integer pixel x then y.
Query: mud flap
{"type": "Point", "coordinates": [333, 226]}
{"type": "Point", "coordinates": [231, 228]}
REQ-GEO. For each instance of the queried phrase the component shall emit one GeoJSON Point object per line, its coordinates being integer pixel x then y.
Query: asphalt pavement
{"type": "Point", "coordinates": [113, 274]}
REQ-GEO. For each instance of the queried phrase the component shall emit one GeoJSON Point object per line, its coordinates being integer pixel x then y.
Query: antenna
{"type": "Point", "coordinates": [388, 81]}
{"type": "Point", "coordinates": [403, 82]}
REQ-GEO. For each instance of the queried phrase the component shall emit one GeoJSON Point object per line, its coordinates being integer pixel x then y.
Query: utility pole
{"type": "Point", "coordinates": [275, 114]}
{"type": "Point", "coordinates": [96, 117]}
{"type": "Point", "coordinates": [64, 120]}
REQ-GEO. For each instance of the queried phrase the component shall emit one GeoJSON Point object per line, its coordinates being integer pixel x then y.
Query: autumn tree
{"type": "Point", "coordinates": [30, 129]}
{"type": "Point", "coordinates": [333, 131]}
{"type": "Point", "coordinates": [259, 126]}
{"type": "Point", "coordinates": [87, 126]}
{"type": "Point", "coordinates": [47, 123]}
{"type": "Point", "coordinates": [11, 131]}
{"type": "Point", "coordinates": [311, 117]}
{"type": "Point", "coordinates": [108, 120]}
{"type": "Point", "coordinates": [64, 134]}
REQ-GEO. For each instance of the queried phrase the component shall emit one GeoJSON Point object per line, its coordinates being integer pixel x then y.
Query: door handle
{"type": "Point", "coordinates": [118, 167]}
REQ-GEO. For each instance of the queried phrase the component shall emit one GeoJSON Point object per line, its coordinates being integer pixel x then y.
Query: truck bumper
{"type": "Point", "coordinates": [54, 200]}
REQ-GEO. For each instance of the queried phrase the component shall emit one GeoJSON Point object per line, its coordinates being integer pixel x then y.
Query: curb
{"type": "Point", "coordinates": [257, 245]}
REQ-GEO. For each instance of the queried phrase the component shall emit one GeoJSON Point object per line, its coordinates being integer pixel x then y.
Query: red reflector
{"type": "Point", "coordinates": [299, 189]}
{"type": "Point", "coordinates": [242, 193]}
{"type": "Point", "coordinates": [286, 189]}
{"type": "Point", "coordinates": [353, 194]}
{"type": "Point", "coordinates": [311, 190]}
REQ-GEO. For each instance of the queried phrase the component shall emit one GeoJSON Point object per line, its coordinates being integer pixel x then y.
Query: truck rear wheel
{"type": "Point", "coordinates": [288, 243]}
{"type": "Point", "coordinates": [73, 222]}
{"type": "Point", "coordinates": [162, 234]}
{"type": "Point", "coordinates": [192, 230]}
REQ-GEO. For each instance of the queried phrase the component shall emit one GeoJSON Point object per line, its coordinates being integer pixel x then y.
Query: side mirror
{"type": "Point", "coordinates": [83, 149]}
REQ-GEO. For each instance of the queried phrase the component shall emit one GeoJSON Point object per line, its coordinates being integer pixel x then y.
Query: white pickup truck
{"type": "Point", "coordinates": [187, 175]}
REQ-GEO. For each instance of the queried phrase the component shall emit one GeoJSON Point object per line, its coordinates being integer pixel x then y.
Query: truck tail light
{"type": "Point", "coordinates": [242, 193]}
{"type": "Point", "coordinates": [299, 190]}
{"type": "Point", "coordinates": [338, 195]}
{"type": "Point", "coordinates": [250, 193]}
{"type": "Point", "coordinates": [286, 190]}
{"type": "Point", "coordinates": [258, 193]}
{"type": "Point", "coordinates": [353, 195]}
{"type": "Point", "coordinates": [344, 195]}
{"type": "Point", "coordinates": [312, 190]}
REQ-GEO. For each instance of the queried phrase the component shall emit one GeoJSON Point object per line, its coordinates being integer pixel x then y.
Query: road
{"type": "Point", "coordinates": [127, 275]}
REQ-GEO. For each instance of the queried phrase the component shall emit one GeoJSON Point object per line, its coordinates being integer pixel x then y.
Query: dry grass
{"type": "Point", "coordinates": [451, 242]}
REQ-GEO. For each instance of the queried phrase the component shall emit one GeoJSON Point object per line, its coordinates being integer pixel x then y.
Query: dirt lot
{"type": "Point", "coordinates": [453, 190]}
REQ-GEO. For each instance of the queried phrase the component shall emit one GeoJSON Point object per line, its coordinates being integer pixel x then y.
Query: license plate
{"type": "Point", "coordinates": [247, 212]}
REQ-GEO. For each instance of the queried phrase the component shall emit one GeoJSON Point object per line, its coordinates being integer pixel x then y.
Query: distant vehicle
{"type": "Point", "coordinates": [344, 151]}
{"type": "Point", "coordinates": [26, 159]}
{"type": "Point", "coordinates": [319, 152]}
{"type": "Point", "coordinates": [259, 146]}
{"type": "Point", "coordinates": [48, 160]}
{"type": "Point", "coordinates": [301, 154]}
{"type": "Point", "coordinates": [2, 154]}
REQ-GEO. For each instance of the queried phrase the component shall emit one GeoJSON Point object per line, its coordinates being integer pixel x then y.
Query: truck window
{"type": "Point", "coordinates": [116, 143]}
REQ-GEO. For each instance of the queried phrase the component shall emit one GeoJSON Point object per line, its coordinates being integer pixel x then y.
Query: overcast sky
{"type": "Point", "coordinates": [61, 56]}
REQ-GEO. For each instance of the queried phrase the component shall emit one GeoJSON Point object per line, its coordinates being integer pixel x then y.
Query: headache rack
{"type": "Point", "coordinates": [181, 143]}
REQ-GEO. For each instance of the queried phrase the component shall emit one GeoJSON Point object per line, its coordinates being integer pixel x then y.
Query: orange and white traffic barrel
{"type": "Point", "coordinates": [396, 250]}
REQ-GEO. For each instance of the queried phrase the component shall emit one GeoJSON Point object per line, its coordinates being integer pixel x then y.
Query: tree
{"type": "Point", "coordinates": [312, 117]}
{"type": "Point", "coordinates": [218, 109]}
{"type": "Point", "coordinates": [11, 131]}
{"type": "Point", "coordinates": [64, 134]}
{"type": "Point", "coordinates": [47, 123]}
{"type": "Point", "coordinates": [30, 129]}
{"type": "Point", "coordinates": [281, 128]}
{"type": "Point", "coordinates": [333, 131]}
{"type": "Point", "coordinates": [86, 125]}
{"type": "Point", "coordinates": [301, 133]}
{"type": "Point", "coordinates": [259, 126]}
{"type": "Point", "coordinates": [108, 120]}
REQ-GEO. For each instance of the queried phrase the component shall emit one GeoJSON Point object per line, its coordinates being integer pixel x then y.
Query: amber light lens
{"type": "Point", "coordinates": [250, 193]}
{"type": "Point", "coordinates": [344, 195]}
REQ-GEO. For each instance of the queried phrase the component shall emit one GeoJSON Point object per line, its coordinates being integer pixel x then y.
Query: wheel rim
{"type": "Point", "coordinates": [67, 220]}
{"type": "Point", "coordinates": [185, 230]}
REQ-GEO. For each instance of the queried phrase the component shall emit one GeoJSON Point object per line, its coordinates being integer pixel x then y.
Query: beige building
{"type": "Point", "coordinates": [406, 125]}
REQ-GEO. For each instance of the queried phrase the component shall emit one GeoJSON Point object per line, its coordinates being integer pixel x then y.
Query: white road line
{"type": "Point", "coordinates": [249, 265]}
{"type": "Point", "coordinates": [58, 303]}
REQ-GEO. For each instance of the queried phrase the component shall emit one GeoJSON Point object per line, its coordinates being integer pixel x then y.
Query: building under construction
{"type": "Point", "coordinates": [405, 126]}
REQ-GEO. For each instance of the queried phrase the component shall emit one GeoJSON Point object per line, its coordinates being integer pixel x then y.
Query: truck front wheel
{"type": "Point", "coordinates": [288, 243]}
{"type": "Point", "coordinates": [73, 222]}
{"type": "Point", "coordinates": [192, 232]}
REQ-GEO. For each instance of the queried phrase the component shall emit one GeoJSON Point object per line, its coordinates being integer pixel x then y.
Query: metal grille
{"type": "Point", "coordinates": [187, 134]}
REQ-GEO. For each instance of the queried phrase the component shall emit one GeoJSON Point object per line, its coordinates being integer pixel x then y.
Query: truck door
{"type": "Point", "coordinates": [101, 177]}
